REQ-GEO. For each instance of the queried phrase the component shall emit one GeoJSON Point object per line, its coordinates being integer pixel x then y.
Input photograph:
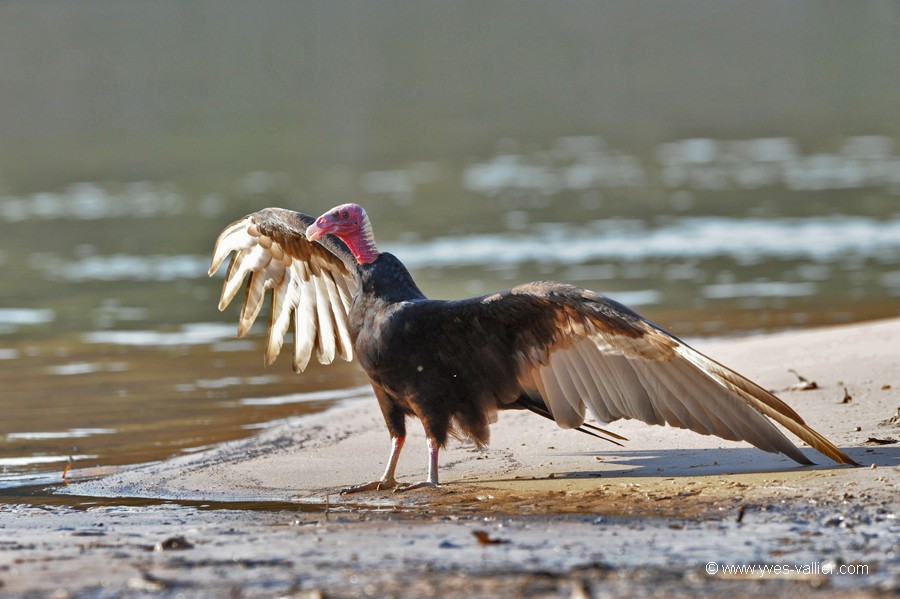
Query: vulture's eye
{"type": "Point", "coordinates": [346, 214]}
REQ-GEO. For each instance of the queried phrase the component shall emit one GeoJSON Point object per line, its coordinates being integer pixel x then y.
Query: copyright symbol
{"type": "Point", "coordinates": [712, 568]}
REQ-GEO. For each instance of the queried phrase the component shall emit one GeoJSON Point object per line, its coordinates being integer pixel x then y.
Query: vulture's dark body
{"type": "Point", "coordinates": [453, 364]}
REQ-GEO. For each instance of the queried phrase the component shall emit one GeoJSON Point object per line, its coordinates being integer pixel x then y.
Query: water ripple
{"type": "Point", "coordinates": [821, 239]}
{"type": "Point", "coordinates": [200, 333]}
{"type": "Point", "coordinates": [88, 201]}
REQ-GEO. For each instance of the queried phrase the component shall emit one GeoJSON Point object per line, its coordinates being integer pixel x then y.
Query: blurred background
{"type": "Point", "coordinates": [723, 167]}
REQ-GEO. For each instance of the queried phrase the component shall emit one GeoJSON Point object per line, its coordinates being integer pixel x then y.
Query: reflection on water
{"type": "Point", "coordinates": [12, 319]}
{"type": "Point", "coordinates": [747, 240]}
{"type": "Point", "coordinates": [581, 163]}
{"type": "Point", "coordinates": [121, 267]}
{"type": "Point", "coordinates": [88, 201]}
{"type": "Point", "coordinates": [74, 433]}
{"type": "Point", "coordinates": [189, 334]}
{"type": "Point", "coordinates": [41, 459]}
{"type": "Point", "coordinates": [73, 368]}
{"type": "Point", "coordinates": [758, 289]}
{"type": "Point", "coordinates": [333, 394]}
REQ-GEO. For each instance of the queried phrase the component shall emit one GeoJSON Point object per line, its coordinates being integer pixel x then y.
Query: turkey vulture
{"type": "Point", "coordinates": [551, 348]}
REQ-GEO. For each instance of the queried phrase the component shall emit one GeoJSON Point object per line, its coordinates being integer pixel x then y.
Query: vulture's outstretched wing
{"type": "Point", "coordinates": [314, 281]}
{"type": "Point", "coordinates": [577, 350]}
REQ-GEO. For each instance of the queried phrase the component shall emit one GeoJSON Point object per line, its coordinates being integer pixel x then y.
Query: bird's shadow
{"type": "Point", "coordinates": [712, 462]}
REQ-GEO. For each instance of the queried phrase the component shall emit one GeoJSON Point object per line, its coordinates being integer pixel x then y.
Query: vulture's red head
{"type": "Point", "coordinates": [351, 224]}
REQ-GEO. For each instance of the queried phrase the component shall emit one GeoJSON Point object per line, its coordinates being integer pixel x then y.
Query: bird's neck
{"type": "Point", "coordinates": [387, 280]}
{"type": "Point", "coordinates": [363, 245]}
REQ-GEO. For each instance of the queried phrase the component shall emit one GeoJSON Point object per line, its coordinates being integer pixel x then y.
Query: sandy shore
{"type": "Point", "coordinates": [676, 500]}
{"type": "Point", "coordinates": [313, 458]}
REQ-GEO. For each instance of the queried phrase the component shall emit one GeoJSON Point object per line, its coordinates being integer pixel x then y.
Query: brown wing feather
{"type": "Point", "coordinates": [577, 349]}
{"type": "Point", "coordinates": [313, 282]}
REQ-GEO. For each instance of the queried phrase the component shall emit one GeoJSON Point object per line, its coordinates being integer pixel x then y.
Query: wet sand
{"type": "Point", "coordinates": [574, 517]}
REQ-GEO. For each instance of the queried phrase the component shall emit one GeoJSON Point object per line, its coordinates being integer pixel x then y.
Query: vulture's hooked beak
{"type": "Point", "coordinates": [321, 227]}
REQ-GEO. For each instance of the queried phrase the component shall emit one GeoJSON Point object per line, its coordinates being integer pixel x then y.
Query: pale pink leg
{"type": "Point", "coordinates": [432, 481]}
{"type": "Point", "coordinates": [387, 480]}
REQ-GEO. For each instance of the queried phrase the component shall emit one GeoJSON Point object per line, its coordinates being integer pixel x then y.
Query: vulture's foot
{"type": "Point", "coordinates": [375, 485]}
{"type": "Point", "coordinates": [425, 484]}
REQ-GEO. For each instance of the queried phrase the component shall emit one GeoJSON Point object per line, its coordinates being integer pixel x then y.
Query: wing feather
{"type": "Point", "coordinates": [232, 239]}
{"type": "Point", "coordinates": [671, 391]}
{"type": "Point", "coordinates": [578, 350]}
{"type": "Point", "coordinates": [343, 342]}
{"type": "Point", "coordinates": [283, 297]}
{"type": "Point", "coordinates": [313, 282]}
{"type": "Point", "coordinates": [566, 412]}
{"type": "Point", "coordinates": [268, 276]}
{"type": "Point", "coordinates": [590, 388]}
{"type": "Point", "coordinates": [244, 261]}
{"type": "Point", "coordinates": [325, 341]}
{"type": "Point", "coordinates": [578, 391]}
{"type": "Point", "coordinates": [605, 402]}
{"type": "Point", "coordinates": [305, 331]}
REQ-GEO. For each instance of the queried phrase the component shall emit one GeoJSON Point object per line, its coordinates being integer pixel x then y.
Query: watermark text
{"type": "Point", "coordinates": [827, 568]}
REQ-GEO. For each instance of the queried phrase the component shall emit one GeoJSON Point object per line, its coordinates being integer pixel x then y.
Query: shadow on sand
{"type": "Point", "coordinates": [713, 462]}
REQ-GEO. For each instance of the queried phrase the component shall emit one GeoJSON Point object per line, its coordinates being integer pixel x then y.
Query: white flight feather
{"type": "Point", "coordinates": [285, 296]}
{"type": "Point", "coordinates": [325, 343]}
{"type": "Point", "coordinates": [234, 238]}
{"type": "Point", "coordinates": [339, 314]}
{"type": "Point", "coordinates": [319, 304]}
{"type": "Point", "coordinates": [260, 281]}
{"type": "Point", "coordinates": [305, 325]}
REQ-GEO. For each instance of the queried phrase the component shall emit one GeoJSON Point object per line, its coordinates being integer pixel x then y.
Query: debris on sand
{"type": "Point", "coordinates": [173, 544]}
{"type": "Point", "coordinates": [802, 384]}
{"type": "Point", "coordinates": [485, 539]}
{"type": "Point", "coordinates": [893, 420]}
{"type": "Point", "coordinates": [876, 441]}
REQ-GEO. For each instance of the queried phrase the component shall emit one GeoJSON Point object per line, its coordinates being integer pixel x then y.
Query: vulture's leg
{"type": "Point", "coordinates": [387, 480]}
{"type": "Point", "coordinates": [395, 420]}
{"type": "Point", "coordinates": [432, 481]}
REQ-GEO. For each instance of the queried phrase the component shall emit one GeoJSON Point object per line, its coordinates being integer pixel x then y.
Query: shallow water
{"type": "Point", "coordinates": [764, 202]}
{"type": "Point", "coordinates": [99, 403]}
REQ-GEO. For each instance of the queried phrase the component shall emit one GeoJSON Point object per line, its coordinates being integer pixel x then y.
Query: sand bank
{"type": "Point", "coordinates": [312, 458]}
{"type": "Point", "coordinates": [571, 516]}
